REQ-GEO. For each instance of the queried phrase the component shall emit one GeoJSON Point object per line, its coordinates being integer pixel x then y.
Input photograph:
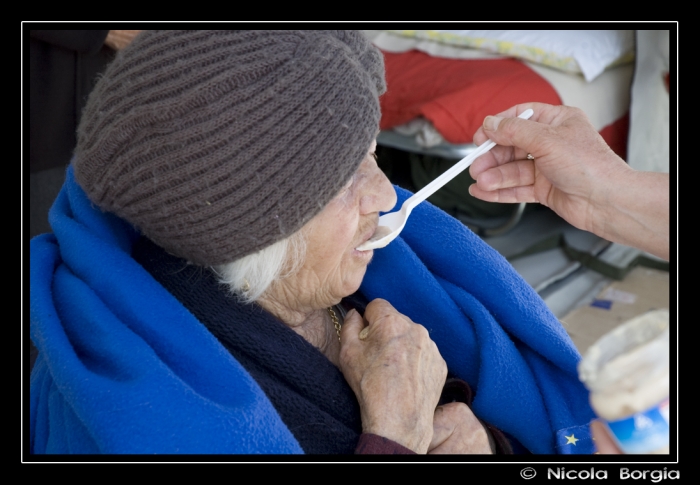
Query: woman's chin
{"type": "Point", "coordinates": [353, 283]}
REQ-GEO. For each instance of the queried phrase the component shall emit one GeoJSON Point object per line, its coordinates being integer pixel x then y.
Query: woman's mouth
{"type": "Point", "coordinates": [366, 237]}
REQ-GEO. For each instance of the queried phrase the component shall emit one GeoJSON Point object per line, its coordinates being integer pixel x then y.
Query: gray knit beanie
{"type": "Point", "coordinates": [216, 144]}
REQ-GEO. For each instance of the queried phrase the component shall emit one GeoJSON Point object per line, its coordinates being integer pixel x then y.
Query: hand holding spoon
{"type": "Point", "coordinates": [391, 224]}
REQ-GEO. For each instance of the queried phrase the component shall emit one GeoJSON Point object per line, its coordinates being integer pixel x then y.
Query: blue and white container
{"type": "Point", "coordinates": [627, 373]}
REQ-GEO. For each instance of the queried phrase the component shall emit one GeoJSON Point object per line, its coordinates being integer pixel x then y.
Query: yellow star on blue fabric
{"type": "Point", "coordinates": [575, 440]}
{"type": "Point", "coordinates": [571, 440]}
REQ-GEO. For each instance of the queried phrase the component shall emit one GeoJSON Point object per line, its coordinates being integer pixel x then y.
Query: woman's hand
{"type": "Point", "coordinates": [118, 39]}
{"type": "Point", "coordinates": [456, 430]}
{"type": "Point", "coordinates": [572, 164]}
{"type": "Point", "coordinates": [396, 372]}
{"type": "Point", "coordinates": [604, 443]}
{"type": "Point", "coordinates": [573, 172]}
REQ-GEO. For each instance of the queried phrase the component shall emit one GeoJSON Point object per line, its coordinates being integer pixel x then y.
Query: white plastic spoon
{"type": "Point", "coordinates": [390, 225]}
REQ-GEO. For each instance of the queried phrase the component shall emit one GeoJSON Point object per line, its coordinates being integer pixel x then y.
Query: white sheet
{"type": "Point", "coordinates": [649, 115]}
{"type": "Point", "coordinates": [586, 52]}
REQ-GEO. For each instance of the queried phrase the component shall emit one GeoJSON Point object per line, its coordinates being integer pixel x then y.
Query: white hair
{"type": "Point", "coordinates": [250, 276]}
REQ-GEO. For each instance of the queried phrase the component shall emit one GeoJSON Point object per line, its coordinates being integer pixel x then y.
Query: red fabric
{"type": "Point", "coordinates": [456, 95]}
{"type": "Point", "coordinates": [615, 135]}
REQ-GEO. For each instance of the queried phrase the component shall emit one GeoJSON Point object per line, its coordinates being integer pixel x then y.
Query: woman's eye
{"type": "Point", "coordinates": [374, 155]}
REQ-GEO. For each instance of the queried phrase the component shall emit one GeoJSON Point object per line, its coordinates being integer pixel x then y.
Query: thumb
{"type": "Point", "coordinates": [513, 132]}
{"type": "Point", "coordinates": [352, 324]}
{"type": "Point", "coordinates": [603, 441]}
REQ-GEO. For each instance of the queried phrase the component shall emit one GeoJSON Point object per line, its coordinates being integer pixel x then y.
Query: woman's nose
{"type": "Point", "coordinates": [380, 196]}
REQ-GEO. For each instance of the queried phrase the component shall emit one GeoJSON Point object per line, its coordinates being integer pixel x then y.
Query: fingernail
{"type": "Point", "coordinates": [470, 189]}
{"type": "Point", "coordinates": [491, 123]}
{"type": "Point", "coordinates": [363, 333]}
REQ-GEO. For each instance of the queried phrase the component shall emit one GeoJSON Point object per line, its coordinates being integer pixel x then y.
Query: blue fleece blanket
{"type": "Point", "coordinates": [124, 368]}
{"type": "Point", "coordinates": [491, 327]}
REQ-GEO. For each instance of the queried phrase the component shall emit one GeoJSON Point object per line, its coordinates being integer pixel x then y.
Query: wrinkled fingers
{"type": "Point", "coordinates": [516, 174]}
{"type": "Point", "coordinates": [457, 430]}
{"type": "Point", "coordinates": [397, 374]}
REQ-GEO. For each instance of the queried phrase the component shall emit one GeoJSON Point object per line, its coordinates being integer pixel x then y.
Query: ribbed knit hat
{"type": "Point", "coordinates": [216, 144]}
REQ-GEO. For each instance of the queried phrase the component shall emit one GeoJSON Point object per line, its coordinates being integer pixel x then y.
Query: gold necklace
{"type": "Point", "coordinates": [336, 322]}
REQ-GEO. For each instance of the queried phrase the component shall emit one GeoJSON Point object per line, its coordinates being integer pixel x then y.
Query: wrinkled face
{"type": "Point", "coordinates": [333, 267]}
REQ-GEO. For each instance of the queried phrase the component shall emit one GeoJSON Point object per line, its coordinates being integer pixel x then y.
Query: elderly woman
{"type": "Point", "coordinates": [202, 291]}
